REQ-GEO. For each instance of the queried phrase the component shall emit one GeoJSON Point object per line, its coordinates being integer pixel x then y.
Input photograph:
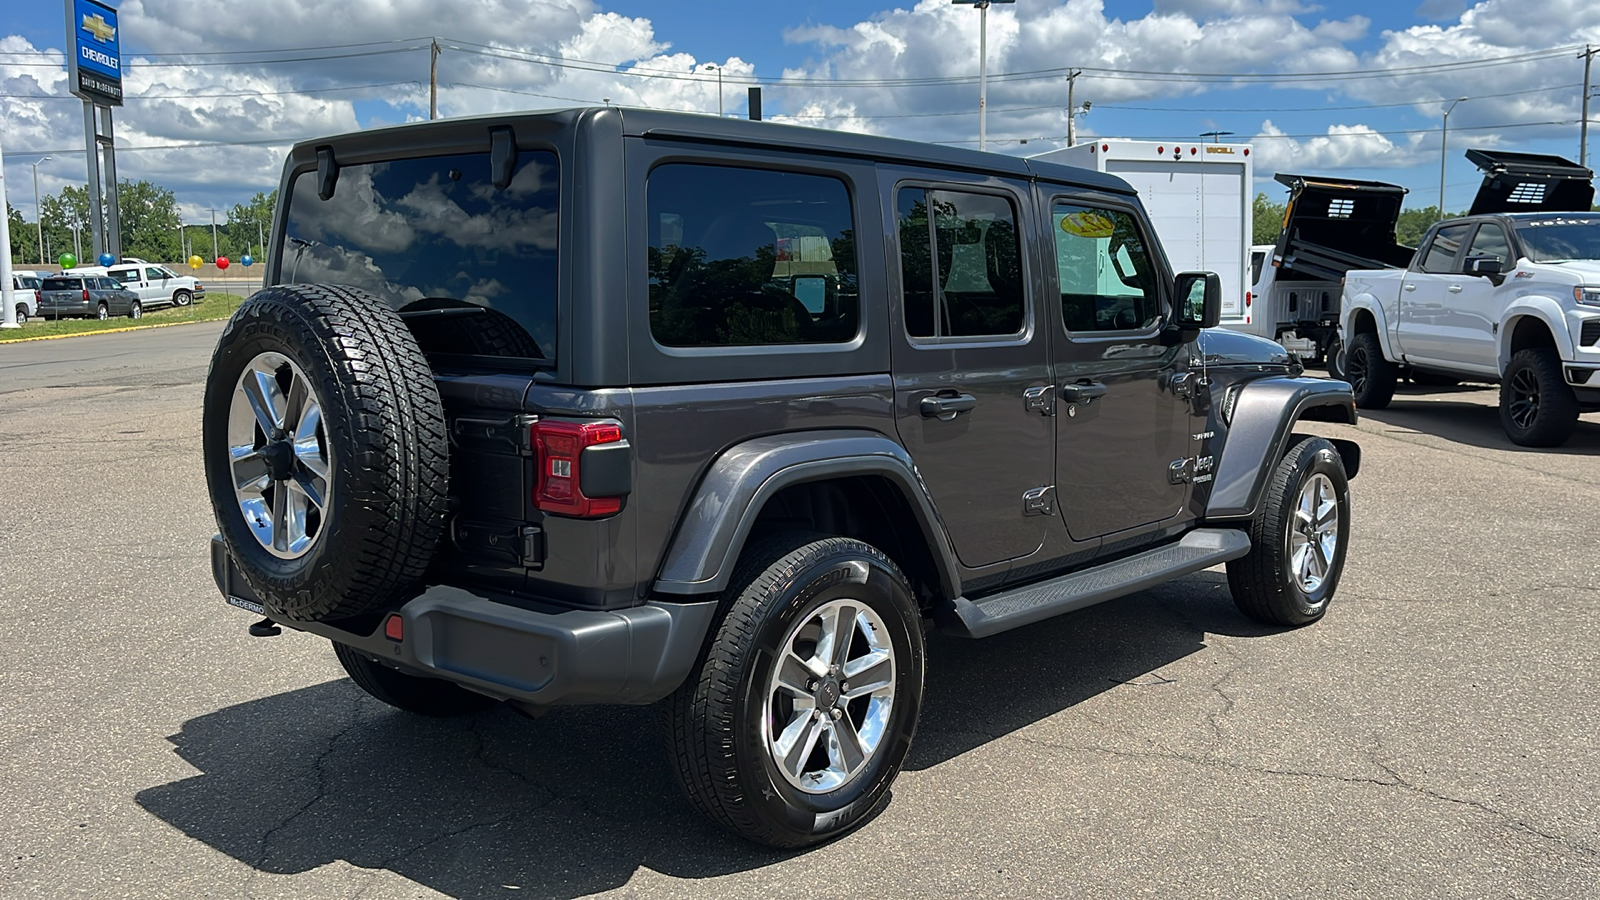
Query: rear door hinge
{"type": "Point", "coordinates": [1040, 399]}
{"type": "Point", "coordinates": [1040, 501]}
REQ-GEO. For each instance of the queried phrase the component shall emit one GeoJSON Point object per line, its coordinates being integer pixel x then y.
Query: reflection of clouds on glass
{"type": "Point", "coordinates": [531, 178]}
{"type": "Point", "coordinates": [322, 264]}
{"type": "Point", "coordinates": [484, 291]}
{"type": "Point", "coordinates": [355, 208]}
{"type": "Point", "coordinates": [503, 227]}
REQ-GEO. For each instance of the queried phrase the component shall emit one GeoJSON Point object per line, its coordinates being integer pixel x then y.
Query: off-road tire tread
{"type": "Point", "coordinates": [1256, 579]}
{"type": "Point", "coordinates": [1381, 373]}
{"type": "Point", "coordinates": [398, 428]}
{"type": "Point", "coordinates": [709, 698]}
{"type": "Point", "coordinates": [412, 693]}
{"type": "Point", "coordinates": [1558, 409]}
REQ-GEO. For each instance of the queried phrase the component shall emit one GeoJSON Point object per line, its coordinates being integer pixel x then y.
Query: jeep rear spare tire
{"type": "Point", "coordinates": [325, 451]}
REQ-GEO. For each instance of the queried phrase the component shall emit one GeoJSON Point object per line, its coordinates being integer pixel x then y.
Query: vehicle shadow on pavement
{"type": "Point", "coordinates": [1473, 423]}
{"type": "Point", "coordinates": [577, 801]}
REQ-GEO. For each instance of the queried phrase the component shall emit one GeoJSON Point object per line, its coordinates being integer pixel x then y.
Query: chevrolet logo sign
{"type": "Point", "coordinates": [97, 26]}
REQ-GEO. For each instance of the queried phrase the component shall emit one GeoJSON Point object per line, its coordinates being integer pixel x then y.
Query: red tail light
{"type": "Point", "coordinates": [1246, 299]}
{"type": "Point", "coordinates": [86, 295]}
{"type": "Point", "coordinates": [560, 447]}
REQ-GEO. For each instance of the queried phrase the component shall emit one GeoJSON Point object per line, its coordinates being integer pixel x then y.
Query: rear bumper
{"type": "Point", "coordinates": [634, 656]}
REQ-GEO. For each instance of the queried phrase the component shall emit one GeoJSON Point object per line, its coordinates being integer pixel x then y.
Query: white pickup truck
{"type": "Point", "coordinates": [1503, 297]}
{"type": "Point", "coordinates": [155, 284]}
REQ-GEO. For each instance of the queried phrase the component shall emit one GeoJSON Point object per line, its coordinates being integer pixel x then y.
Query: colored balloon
{"type": "Point", "coordinates": [67, 260]}
{"type": "Point", "coordinates": [222, 262]}
{"type": "Point", "coordinates": [247, 260]}
{"type": "Point", "coordinates": [107, 259]}
{"type": "Point", "coordinates": [196, 262]}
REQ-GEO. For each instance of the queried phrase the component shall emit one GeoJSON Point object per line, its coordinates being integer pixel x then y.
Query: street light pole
{"type": "Point", "coordinates": [717, 69]}
{"type": "Point", "coordinates": [38, 214]}
{"type": "Point", "coordinates": [8, 316]}
{"type": "Point", "coordinates": [1444, 139]}
{"type": "Point", "coordinates": [1583, 126]}
{"type": "Point", "coordinates": [983, 63]}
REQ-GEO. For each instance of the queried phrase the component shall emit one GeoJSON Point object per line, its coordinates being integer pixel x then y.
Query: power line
{"type": "Point", "coordinates": [233, 52]}
{"type": "Point", "coordinates": [1272, 137]}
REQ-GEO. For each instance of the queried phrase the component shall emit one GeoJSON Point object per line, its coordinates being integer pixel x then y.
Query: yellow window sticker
{"type": "Point", "coordinates": [1088, 224]}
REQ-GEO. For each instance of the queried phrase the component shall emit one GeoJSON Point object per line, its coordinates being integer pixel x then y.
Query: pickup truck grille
{"type": "Point", "coordinates": [1591, 332]}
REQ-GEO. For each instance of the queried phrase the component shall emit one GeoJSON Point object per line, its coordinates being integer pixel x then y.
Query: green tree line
{"type": "Point", "coordinates": [151, 227]}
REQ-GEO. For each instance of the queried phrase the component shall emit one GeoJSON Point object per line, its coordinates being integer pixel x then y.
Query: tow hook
{"type": "Point", "coordinates": [265, 628]}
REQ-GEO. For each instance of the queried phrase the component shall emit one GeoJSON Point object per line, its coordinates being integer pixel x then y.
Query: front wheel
{"type": "Point", "coordinates": [182, 298]}
{"type": "Point", "coordinates": [1371, 377]}
{"type": "Point", "coordinates": [796, 722]}
{"type": "Point", "coordinates": [1298, 542]}
{"type": "Point", "coordinates": [135, 311]}
{"type": "Point", "coordinates": [1537, 407]}
{"type": "Point", "coordinates": [414, 694]}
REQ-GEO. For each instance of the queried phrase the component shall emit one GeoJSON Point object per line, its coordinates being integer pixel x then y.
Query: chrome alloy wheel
{"type": "Point", "coordinates": [1314, 533]}
{"type": "Point", "coordinates": [828, 700]}
{"type": "Point", "coordinates": [279, 455]}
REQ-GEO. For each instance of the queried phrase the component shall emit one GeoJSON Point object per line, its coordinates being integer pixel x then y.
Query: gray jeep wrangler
{"type": "Point", "coordinates": [618, 406]}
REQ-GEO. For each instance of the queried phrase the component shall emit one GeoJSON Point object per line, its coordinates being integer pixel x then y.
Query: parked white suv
{"type": "Point", "coordinates": [25, 290]}
{"type": "Point", "coordinates": [155, 284]}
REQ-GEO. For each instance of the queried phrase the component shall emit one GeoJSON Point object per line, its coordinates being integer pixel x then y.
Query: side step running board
{"type": "Point", "coordinates": [1199, 549]}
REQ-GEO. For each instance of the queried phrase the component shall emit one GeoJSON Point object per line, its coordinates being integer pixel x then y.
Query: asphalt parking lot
{"type": "Point", "coordinates": [1435, 736]}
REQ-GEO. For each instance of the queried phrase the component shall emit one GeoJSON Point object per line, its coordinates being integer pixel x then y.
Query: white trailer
{"type": "Point", "coordinates": [1198, 196]}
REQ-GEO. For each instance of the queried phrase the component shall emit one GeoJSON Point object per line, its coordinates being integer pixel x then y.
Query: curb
{"type": "Point", "coordinates": [55, 337]}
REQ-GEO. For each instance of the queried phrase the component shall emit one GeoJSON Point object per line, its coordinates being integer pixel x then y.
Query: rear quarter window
{"type": "Point", "coordinates": [741, 257]}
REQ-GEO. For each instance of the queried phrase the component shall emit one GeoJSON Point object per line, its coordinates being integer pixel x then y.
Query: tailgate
{"type": "Point", "coordinates": [1333, 225]}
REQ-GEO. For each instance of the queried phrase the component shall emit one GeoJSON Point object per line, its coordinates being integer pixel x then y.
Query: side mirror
{"type": "Point", "coordinates": [1199, 296]}
{"type": "Point", "coordinates": [1484, 265]}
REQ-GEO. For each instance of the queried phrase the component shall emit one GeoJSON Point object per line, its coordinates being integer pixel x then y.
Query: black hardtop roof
{"type": "Point", "coordinates": [699, 126]}
{"type": "Point", "coordinates": [1326, 181]}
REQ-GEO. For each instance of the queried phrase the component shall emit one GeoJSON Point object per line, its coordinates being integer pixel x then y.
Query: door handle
{"type": "Point", "coordinates": [1410, 287]}
{"type": "Point", "coordinates": [946, 408]}
{"type": "Point", "coordinates": [1083, 392]}
{"type": "Point", "coordinates": [1455, 288]}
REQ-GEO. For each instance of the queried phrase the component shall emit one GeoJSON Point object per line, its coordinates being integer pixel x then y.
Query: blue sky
{"type": "Point", "coordinates": [216, 122]}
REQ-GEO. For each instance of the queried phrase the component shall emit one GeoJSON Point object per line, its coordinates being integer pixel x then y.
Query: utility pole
{"type": "Point", "coordinates": [213, 234]}
{"type": "Point", "coordinates": [1444, 138]}
{"type": "Point", "coordinates": [433, 80]}
{"type": "Point", "coordinates": [38, 214]}
{"type": "Point", "coordinates": [1583, 126]}
{"type": "Point", "coordinates": [8, 317]}
{"type": "Point", "coordinates": [260, 240]}
{"type": "Point", "coordinates": [1072, 108]}
{"type": "Point", "coordinates": [983, 63]}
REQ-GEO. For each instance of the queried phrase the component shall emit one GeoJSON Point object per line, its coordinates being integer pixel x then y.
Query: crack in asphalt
{"type": "Point", "coordinates": [321, 792]}
{"type": "Point", "coordinates": [1395, 781]}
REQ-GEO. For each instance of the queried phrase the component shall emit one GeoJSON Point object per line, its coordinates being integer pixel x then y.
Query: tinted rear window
{"type": "Point", "coordinates": [472, 268]}
{"type": "Point", "coordinates": [63, 284]}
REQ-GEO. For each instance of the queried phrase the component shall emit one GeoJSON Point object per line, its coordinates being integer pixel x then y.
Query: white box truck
{"type": "Point", "coordinates": [1198, 196]}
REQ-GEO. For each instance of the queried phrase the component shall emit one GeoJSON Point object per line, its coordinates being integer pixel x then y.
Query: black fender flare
{"type": "Point", "coordinates": [712, 533]}
{"type": "Point", "coordinates": [1262, 419]}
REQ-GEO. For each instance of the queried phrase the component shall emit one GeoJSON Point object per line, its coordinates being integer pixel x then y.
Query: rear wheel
{"type": "Point", "coordinates": [135, 311]}
{"type": "Point", "coordinates": [1371, 376]}
{"type": "Point", "coordinates": [22, 314]}
{"type": "Point", "coordinates": [1298, 541]}
{"type": "Point", "coordinates": [103, 312]}
{"type": "Point", "coordinates": [1336, 360]}
{"type": "Point", "coordinates": [423, 696]}
{"type": "Point", "coordinates": [182, 298]}
{"type": "Point", "coordinates": [794, 725]}
{"type": "Point", "coordinates": [1537, 407]}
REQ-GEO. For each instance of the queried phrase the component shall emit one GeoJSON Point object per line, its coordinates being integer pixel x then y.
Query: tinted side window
{"type": "Point", "coordinates": [1442, 251]}
{"type": "Point", "coordinates": [153, 274]}
{"type": "Point", "coordinates": [1490, 241]}
{"type": "Point", "coordinates": [962, 277]}
{"type": "Point", "coordinates": [1108, 281]}
{"type": "Point", "coordinates": [123, 276]}
{"type": "Point", "coordinates": [750, 256]}
{"type": "Point", "coordinates": [1257, 260]}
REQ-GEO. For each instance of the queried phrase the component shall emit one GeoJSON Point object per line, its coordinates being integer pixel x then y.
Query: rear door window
{"type": "Point", "coordinates": [154, 274]}
{"type": "Point", "coordinates": [61, 284]}
{"type": "Point", "coordinates": [123, 276]}
{"type": "Point", "coordinates": [1490, 242]}
{"type": "Point", "coordinates": [1443, 249]}
{"type": "Point", "coordinates": [474, 269]}
{"type": "Point", "coordinates": [960, 265]}
{"type": "Point", "coordinates": [741, 257]}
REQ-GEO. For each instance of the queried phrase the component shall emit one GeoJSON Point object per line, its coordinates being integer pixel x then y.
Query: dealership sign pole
{"type": "Point", "coordinates": [94, 75]}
